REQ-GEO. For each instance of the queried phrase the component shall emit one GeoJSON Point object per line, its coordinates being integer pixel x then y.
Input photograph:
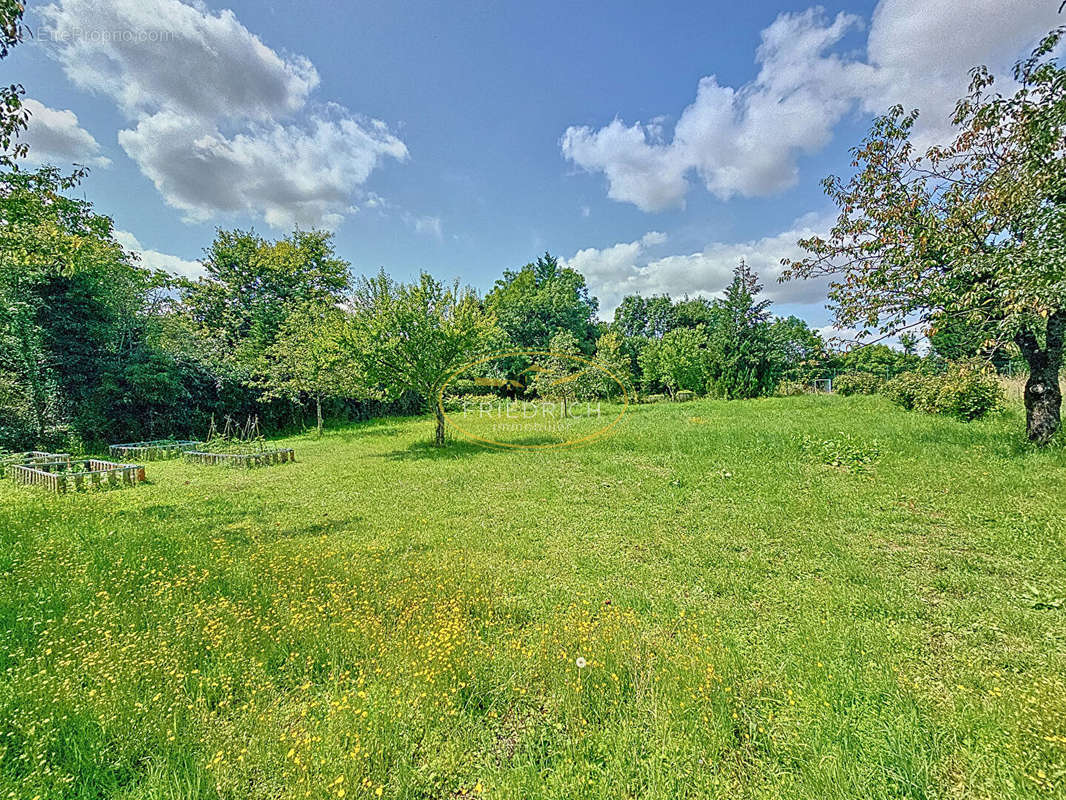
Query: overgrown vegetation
{"type": "Point", "coordinates": [964, 391]}
{"type": "Point", "coordinates": [645, 619]}
{"type": "Point", "coordinates": [848, 383]}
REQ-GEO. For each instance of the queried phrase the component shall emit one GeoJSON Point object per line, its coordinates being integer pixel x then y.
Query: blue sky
{"type": "Point", "coordinates": [649, 145]}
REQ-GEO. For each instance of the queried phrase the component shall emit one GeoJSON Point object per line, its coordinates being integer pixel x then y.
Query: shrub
{"type": "Point", "coordinates": [848, 383]}
{"type": "Point", "coordinates": [965, 392]}
{"type": "Point", "coordinates": [791, 389]}
{"type": "Point", "coordinates": [904, 389]}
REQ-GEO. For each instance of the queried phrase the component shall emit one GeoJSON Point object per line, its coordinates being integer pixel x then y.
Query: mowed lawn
{"type": "Point", "coordinates": [385, 619]}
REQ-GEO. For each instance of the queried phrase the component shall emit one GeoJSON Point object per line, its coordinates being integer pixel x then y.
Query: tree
{"type": "Point", "coordinates": [959, 339]}
{"type": "Point", "coordinates": [13, 114]}
{"type": "Point", "coordinates": [413, 337]}
{"type": "Point", "coordinates": [252, 285]}
{"type": "Point", "coordinates": [973, 231]}
{"type": "Point", "coordinates": [541, 299]}
{"type": "Point", "coordinates": [798, 352]}
{"type": "Point", "coordinates": [692, 312]}
{"type": "Point", "coordinates": [308, 357]}
{"type": "Point", "coordinates": [650, 365]}
{"type": "Point", "coordinates": [63, 282]}
{"type": "Point", "coordinates": [741, 350]}
{"type": "Point", "coordinates": [612, 355]}
{"type": "Point", "coordinates": [877, 359]}
{"type": "Point", "coordinates": [682, 360]}
{"type": "Point", "coordinates": [563, 374]}
{"type": "Point", "coordinates": [647, 317]}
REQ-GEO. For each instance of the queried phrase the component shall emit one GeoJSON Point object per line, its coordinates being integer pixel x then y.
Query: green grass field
{"type": "Point", "coordinates": [382, 618]}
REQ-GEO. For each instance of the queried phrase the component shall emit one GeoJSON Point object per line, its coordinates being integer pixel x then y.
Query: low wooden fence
{"type": "Point", "coordinates": [62, 476]}
{"type": "Point", "coordinates": [154, 450]}
{"type": "Point", "coordinates": [261, 459]}
{"type": "Point", "coordinates": [29, 457]}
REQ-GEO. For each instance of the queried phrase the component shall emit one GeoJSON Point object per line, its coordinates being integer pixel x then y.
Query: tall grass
{"type": "Point", "coordinates": [696, 606]}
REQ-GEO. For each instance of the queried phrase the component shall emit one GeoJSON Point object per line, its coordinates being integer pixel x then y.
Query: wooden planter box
{"type": "Point", "coordinates": [28, 458]}
{"type": "Point", "coordinates": [62, 476]}
{"type": "Point", "coordinates": [154, 450]}
{"type": "Point", "coordinates": [261, 459]}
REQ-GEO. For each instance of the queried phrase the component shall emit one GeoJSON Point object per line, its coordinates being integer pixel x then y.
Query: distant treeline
{"type": "Point", "coordinates": [96, 348]}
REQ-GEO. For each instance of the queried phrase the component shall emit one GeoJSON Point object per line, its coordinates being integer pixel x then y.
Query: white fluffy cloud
{"type": "Point", "coordinates": [923, 51]}
{"type": "Point", "coordinates": [56, 137]}
{"type": "Point", "coordinates": [220, 121]}
{"type": "Point", "coordinates": [153, 259]}
{"type": "Point", "coordinates": [747, 141]}
{"type": "Point", "coordinates": [626, 268]}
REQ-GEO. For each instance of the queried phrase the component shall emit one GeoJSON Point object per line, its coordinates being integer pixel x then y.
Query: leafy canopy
{"type": "Point", "coordinates": [540, 299]}
{"type": "Point", "coordinates": [413, 337]}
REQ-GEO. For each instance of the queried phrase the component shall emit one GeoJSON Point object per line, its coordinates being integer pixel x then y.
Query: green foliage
{"type": "Point", "coordinates": [798, 353]}
{"type": "Point", "coordinates": [564, 376]}
{"type": "Point", "coordinates": [644, 317]}
{"type": "Point", "coordinates": [13, 114]}
{"type": "Point", "coordinates": [848, 383]}
{"type": "Point", "coordinates": [971, 233]}
{"type": "Point", "coordinates": [611, 354]}
{"type": "Point", "coordinates": [541, 299]}
{"type": "Point", "coordinates": [68, 295]}
{"type": "Point", "coordinates": [741, 353]}
{"type": "Point", "coordinates": [908, 389]}
{"type": "Point", "coordinates": [965, 391]}
{"type": "Point", "coordinates": [308, 357]}
{"type": "Point", "coordinates": [844, 451]}
{"type": "Point", "coordinates": [876, 359]}
{"type": "Point", "coordinates": [252, 285]}
{"type": "Point", "coordinates": [682, 360]}
{"type": "Point", "coordinates": [792, 389]}
{"type": "Point", "coordinates": [968, 392]}
{"type": "Point", "coordinates": [413, 337]}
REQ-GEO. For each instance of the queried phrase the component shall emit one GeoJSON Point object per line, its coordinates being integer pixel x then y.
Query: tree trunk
{"type": "Point", "coordinates": [1043, 402]}
{"type": "Point", "coordinates": [439, 439]}
{"type": "Point", "coordinates": [1043, 395]}
{"type": "Point", "coordinates": [318, 413]}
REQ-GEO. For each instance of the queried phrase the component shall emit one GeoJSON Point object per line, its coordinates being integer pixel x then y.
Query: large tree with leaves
{"type": "Point", "coordinates": [542, 298]}
{"type": "Point", "coordinates": [743, 362]}
{"type": "Point", "coordinates": [972, 231]}
{"type": "Point", "coordinates": [413, 337]}
{"type": "Point", "coordinates": [66, 290]}
{"type": "Point", "coordinates": [252, 285]}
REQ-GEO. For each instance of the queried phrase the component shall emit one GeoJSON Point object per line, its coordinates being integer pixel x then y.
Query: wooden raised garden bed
{"type": "Point", "coordinates": [61, 476]}
{"type": "Point", "coordinates": [9, 460]}
{"type": "Point", "coordinates": [262, 458]}
{"type": "Point", "coordinates": [154, 450]}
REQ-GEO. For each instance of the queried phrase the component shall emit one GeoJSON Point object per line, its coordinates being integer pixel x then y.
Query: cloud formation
{"type": "Point", "coordinates": [747, 141]}
{"type": "Point", "coordinates": [56, 137]}
{"type": "Point", "coordinates": [220, 123]}
{"type": "Point", "coordinates": [153, 259]}
{"type": "Point", "coordinates": [627, 268]}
